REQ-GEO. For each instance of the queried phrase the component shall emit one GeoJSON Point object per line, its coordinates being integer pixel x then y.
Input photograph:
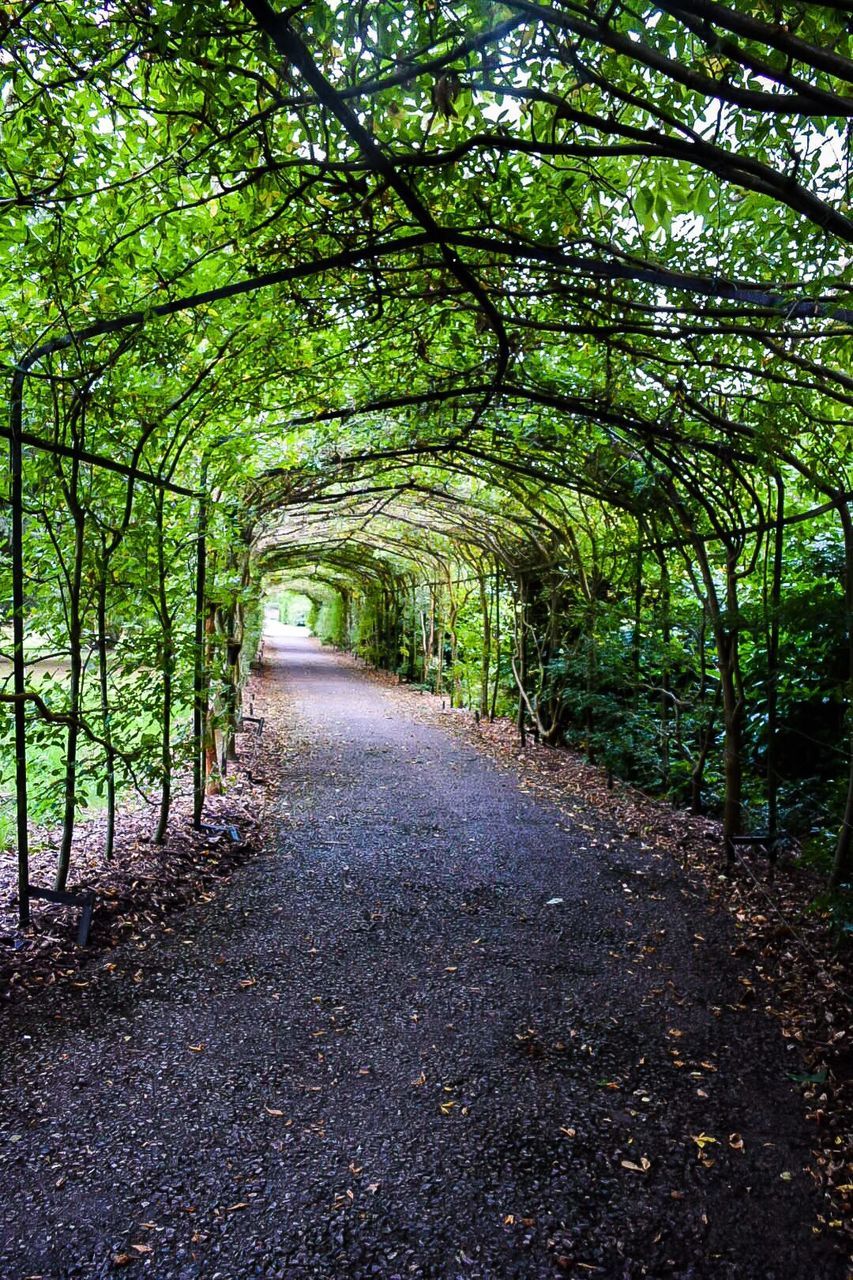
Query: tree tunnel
{"type": "Point", "coordinates": [517, 336]}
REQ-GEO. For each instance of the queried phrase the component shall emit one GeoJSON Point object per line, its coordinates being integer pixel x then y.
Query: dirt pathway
{"type": "Point", "coordinates": [432, 1036]}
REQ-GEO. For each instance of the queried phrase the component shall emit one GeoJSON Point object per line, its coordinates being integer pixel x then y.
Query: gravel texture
{"type": "Point", "coordinates": [444, 1031]}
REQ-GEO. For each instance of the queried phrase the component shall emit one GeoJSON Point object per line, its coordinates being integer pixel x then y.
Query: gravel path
{"type": "Point", "coordinates": [385, 1051]}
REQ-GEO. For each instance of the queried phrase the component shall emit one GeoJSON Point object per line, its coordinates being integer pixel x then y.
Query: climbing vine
{"type": "Point", "coordinates": [515, 337]}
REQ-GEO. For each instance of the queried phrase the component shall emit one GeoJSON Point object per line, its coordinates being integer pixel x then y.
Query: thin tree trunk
{"type": "Point", "coordinates": [521, 650]}
{"type": "Point", "coordinates": [235, 707]}
{"type": "Point", "coordinates": [106, 720]}
{"type": "Point", "coordinates": [842, 865]}
{"type": "Point", "coordinates": [591, 678]}
{"type": "Point", "coordinates": [166, 742]}
{"type": "Point", "coordinates": [666, 634]}
{"type": "Point", "coordinates": [16, 501]}
{"type": "Point", "coordinates": [697, 776]}
{"type": "Point", "coordinates": [439, 636]}
{"type": "Point", "coordinates": [774, 602]}
{"type": "Point", "coordinates": [200, 678]}
{"type": "Point", "coordinates": [167, 665]}
{"type": "Point", "coordinates": [452, 615]}
{"type": "Point", "coordinates": [733, 706]}
{"type": "Point", "coordinates": [637, 634]}
{"type": "Point", "coordinates": [75, 642]}
{"type": "Point", "coordinates": [497, 679]}
{"type": "Point", "coordinates": [425, 647]}
{"type": "Point", "coordinates": [725, 631]}
{"type": "Point", "coordinates": [213, 780]}
{"type": "Point", "coordinates": [486, 651]}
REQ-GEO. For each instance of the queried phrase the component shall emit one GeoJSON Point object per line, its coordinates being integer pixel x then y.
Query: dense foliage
{"type": "Point", "coordinates": [515, 337]}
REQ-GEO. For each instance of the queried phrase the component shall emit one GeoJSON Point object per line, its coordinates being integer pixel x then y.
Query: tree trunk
{"type": "Point", "coordinates": [591, 678]}
{"type": "Point", "coordinates": [439, 644]}
{"type": "Point", "coordinates": [200, 677]}
{"type": "Point", "coordinates": [166, 741]}
{"type": "Point", "coordinates": [733, 705]}
{"type": "Point", "coordinates": [106, 722]}
{"type": "Point", "coordinates": [666, 635]}
{"type": "Point", "coordinates": [212, 777]}
{"type": "Point", "coordinates": [497, 679]}
{"type": "Point", "coordinates": [452, 615]}
{"type": "Point", "coordinates": [725, 631]}
{"type": "Point", "coordinates": [842, 865]}
{"type": "Point", "coordinates": [425, 647]}
{"type": "Point", "coordinates": [486, 651]}
{"type": "Point", "coordinates": [637, 634]}
{"type": "Point", "coordinates": [16, 501]}
{"type": "Point", "coordinates": [75, 642]}
{"type": "Point", "coordinates": [772, 686]}
{"type": "Point", "coordinates": [521, 664]}
{"type": "Point", "coordinates": [167, 658]}
{"type": "Point", "coordinates": [697, 776]}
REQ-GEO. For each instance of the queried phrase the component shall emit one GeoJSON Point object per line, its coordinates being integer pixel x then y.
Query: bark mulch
{"type": "Point", "coordinates": [445, 1026]}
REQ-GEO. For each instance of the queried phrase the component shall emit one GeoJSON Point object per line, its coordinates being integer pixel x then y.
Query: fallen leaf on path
{"type": "Point", "coordinates": [814, 1077]}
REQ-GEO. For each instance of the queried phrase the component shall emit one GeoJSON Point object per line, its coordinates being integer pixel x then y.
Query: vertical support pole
{"type": "Point", "coordinates": [16, 499]}
{"type": "Point", "coordinates": [199, 674]}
